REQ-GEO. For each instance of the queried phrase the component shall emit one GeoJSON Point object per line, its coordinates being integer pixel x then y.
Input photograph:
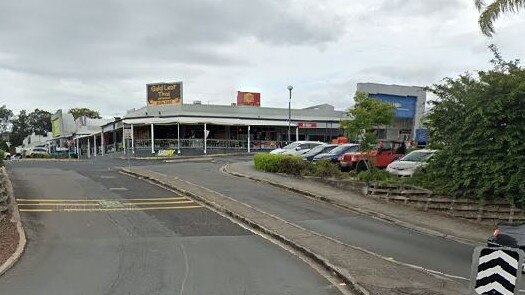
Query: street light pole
{"type": "Point", "coordinates": [290, 87]}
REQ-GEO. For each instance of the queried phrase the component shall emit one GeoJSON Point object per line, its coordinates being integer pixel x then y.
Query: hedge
{"type": "Point", "coordinates": [2, 155]}
{"type": "Point", "coordinates": [293, 165]}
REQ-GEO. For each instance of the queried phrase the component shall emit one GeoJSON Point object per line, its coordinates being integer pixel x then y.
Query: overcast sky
{"type": "Point", "coordinates": [101, 53]}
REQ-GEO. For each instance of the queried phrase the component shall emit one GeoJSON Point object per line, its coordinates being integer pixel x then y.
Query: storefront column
{"type": "Point", "coordinates": [79, 148]}
{"type": "Point", "coordinates": [102, 142]}
{"type": "Point", "coordinates": [178, 138]}
{"type": "Point", "coordinates": [296, 133]}
{"type": "Point", "coordinates": [95, 145]}
{"type": "Point", "coordinates": [205, 138]}
{"type": "Point", "coordinates": [132, 140]}
{"type": "Point", "coordinates": [249, 144]}
{"type": "Point", "coordinates": [152, 139]}
{"type": "Point", "coordinates": [123, 141]}
{"type": "Point", "coordinates": [89, 149]}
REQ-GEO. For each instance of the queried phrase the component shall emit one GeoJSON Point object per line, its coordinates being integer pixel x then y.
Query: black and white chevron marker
{"type": "Point", "coordinates": [496, 271]}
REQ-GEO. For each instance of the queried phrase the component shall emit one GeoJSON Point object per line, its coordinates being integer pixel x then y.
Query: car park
{"type": "Point", "coordinates": [410, 163]}
{"type": "Point", "coordinates": [321, 149]}
{"type": "Point", "coordinates": [385, 152]}
{"type": "Point", "coordinates": [297, 148]}
{"type": "Point", "coordinates": [333, 155]}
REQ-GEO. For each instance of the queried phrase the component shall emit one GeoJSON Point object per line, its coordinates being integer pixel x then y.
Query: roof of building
{"type": "Point", "coordinates": [323, 112]}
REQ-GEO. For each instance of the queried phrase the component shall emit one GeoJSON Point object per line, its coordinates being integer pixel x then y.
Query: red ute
{"type": "Point", "coordinates": [385, 152]}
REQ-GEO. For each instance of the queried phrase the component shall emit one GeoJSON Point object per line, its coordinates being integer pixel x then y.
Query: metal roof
{"type": "Point", "coordinates": [323, 112]}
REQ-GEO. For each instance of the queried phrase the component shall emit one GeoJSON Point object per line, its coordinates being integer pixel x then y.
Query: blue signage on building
{"type": "Point", "coordinates": [405, 105]}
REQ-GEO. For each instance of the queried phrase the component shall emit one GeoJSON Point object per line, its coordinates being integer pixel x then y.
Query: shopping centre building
{"type": "Point", "coordinates": [167, 126]}
{"type": "Point", "coordinates": [199, 128]}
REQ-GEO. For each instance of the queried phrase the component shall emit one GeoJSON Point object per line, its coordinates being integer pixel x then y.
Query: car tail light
{"type": "Point", "coordinates": [495, 233]}
{"type": "Point", "coordinates": [340, 158]}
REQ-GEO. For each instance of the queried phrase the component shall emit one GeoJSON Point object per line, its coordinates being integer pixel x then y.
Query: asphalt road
{"type": "Point", "coordinates": [392, 241]}
{"type": "Point", "coordinates": [93, 231]}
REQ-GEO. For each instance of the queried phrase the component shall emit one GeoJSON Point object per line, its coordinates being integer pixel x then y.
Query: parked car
{"type": "Point", "coordinates": [7, 156]}
{"type": "Point", "coordinates": [334, 154]}
{"type": "Point", "coordinates": [410, 163]}
{"type": "Point", "coordinates": [297, 148]}
{"type": "Point", "coordinates": [321, 149]}
{"type": "Point", "coordinates": [385, 152]}
{"type": "Point", "coordinates": [508, 235]}
{"type": "Point", "coordinates": [36, 150]}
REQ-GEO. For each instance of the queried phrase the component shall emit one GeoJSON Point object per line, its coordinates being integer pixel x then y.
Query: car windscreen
{"type": "Point", "coordinates": [417, 156]}
{"type": "Point", "coordinates": [291, 146]}
{"type": "Point", "coordinates": [316, 149]}
{"type": "Point", "coordinates": [327, 149]}
{"type": "Point", "coordinates": [341, 149]}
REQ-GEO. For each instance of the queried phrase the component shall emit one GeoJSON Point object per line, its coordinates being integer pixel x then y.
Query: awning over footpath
{"type": "Point", "coordinates": [202, 120]}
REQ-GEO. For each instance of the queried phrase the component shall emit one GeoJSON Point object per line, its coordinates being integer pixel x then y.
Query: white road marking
{"type": "Point", "coordinates": [118, 189]}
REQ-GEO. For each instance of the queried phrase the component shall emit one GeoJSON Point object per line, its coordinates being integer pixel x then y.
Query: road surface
{"type": "Point", "coordinates": [389, 240]}
{"type": "Point", "coordinates": [92, 231]}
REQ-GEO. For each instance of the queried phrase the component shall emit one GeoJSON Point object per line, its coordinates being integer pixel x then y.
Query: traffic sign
{"type": "Point", "coordinates": [496, 271]}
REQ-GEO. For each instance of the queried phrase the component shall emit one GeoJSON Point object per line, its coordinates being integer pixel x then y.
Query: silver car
{"type": "Point", "coordinates": [409, 164]}
{"type": "Point", "coordinates": [297, 148]}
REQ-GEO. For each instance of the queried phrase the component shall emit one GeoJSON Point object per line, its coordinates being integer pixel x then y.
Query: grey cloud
{"type": "Point", "coordinates": [420, 8]}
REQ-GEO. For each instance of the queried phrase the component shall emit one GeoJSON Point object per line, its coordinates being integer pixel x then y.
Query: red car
{"type": "Point", "coordinates": [385, 152]}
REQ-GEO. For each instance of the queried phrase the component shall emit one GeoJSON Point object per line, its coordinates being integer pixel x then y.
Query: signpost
{"type": "Point", "coordinates": [164, 93]}
{"type": "Point", "coordinates": [496, 271]}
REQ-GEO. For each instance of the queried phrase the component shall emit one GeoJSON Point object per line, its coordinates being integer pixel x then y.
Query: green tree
{"type": "Point", "coordinates": [5, 116]}
{"type": "Point", "coordinates": [490, 12]}
{"type": "Point", "coordinates": [479, 123]}
{"type": "Point", "coordinates": [21, 128]}
{"type": "Point", "coordinates": [79, 112]}
{"type": "Point", "coordinates": [40, 121]}
{"type": "Point", "coordinates": [365, 116]}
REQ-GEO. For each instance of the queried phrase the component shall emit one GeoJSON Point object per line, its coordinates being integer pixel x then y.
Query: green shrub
{"type": "Point", "coordinates": [325, 168]}
{"type": "Point", "coordinates": [282, 164]}
{"type": "Point", "coordinates": [2, 155]}
{"type": "Point", "coordinates": [267, 162]}
{"type": "Point", "coordinates": [294, 166]}
{"type": "Point", "coordinates": [377, 175]}
{"type": "Point", "coordinates": [40, 156]}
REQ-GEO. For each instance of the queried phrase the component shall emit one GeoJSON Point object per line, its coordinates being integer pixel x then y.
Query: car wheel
{"type": "Point", "coordinates": [361, 166]}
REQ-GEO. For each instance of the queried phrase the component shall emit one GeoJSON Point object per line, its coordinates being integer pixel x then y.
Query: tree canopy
{"type": "Point", "coordinates": [24, 124]}
{"type": "Point", "coordinates": [79, 112]}
{"type": "Point", "coordinates": [489, 13]}
{"type": "Point", "coordinates": [478, 123]}
{"type": "Point", "coordinates": [365, 116]}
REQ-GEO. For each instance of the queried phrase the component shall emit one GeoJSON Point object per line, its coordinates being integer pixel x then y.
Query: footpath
{"type": "Point", "coordinates": [362, 271]}
{"type": "Point", "coordinates": [12, 235]}
{"type": "Point", "coordinates": [427, 222]}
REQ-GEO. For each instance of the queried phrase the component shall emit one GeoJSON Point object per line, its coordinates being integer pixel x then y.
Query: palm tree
{"type": "Point", "coordinates": [490, 12]}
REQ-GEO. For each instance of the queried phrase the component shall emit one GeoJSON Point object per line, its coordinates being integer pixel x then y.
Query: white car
{"type": "Point", "coordinates": [36, 150]}
{"type": "Point", "coordinates": [297, 148]}
{"type": "Point", "coordinates": [409, 164]}
{"type": "Point", "coordinates": [7, 156]}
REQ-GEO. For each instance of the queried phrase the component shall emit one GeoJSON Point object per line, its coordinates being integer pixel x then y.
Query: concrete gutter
{"type": "Point", "coordinates": [363, 272]}
{"type": "Point", "coordinates": [15, 217]}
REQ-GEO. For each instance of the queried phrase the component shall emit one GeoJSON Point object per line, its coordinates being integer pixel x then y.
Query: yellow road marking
{"type": "Point", "coordinates": [109, 209]}
{"type": "Point", "coordinates": [80, 200]}
{"type": "Point", "coordinates": [158, 203]}
{"type": "Point", "coordinates": [57, 204]}
{"type": "Point", "coordinates": [55, 200]}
